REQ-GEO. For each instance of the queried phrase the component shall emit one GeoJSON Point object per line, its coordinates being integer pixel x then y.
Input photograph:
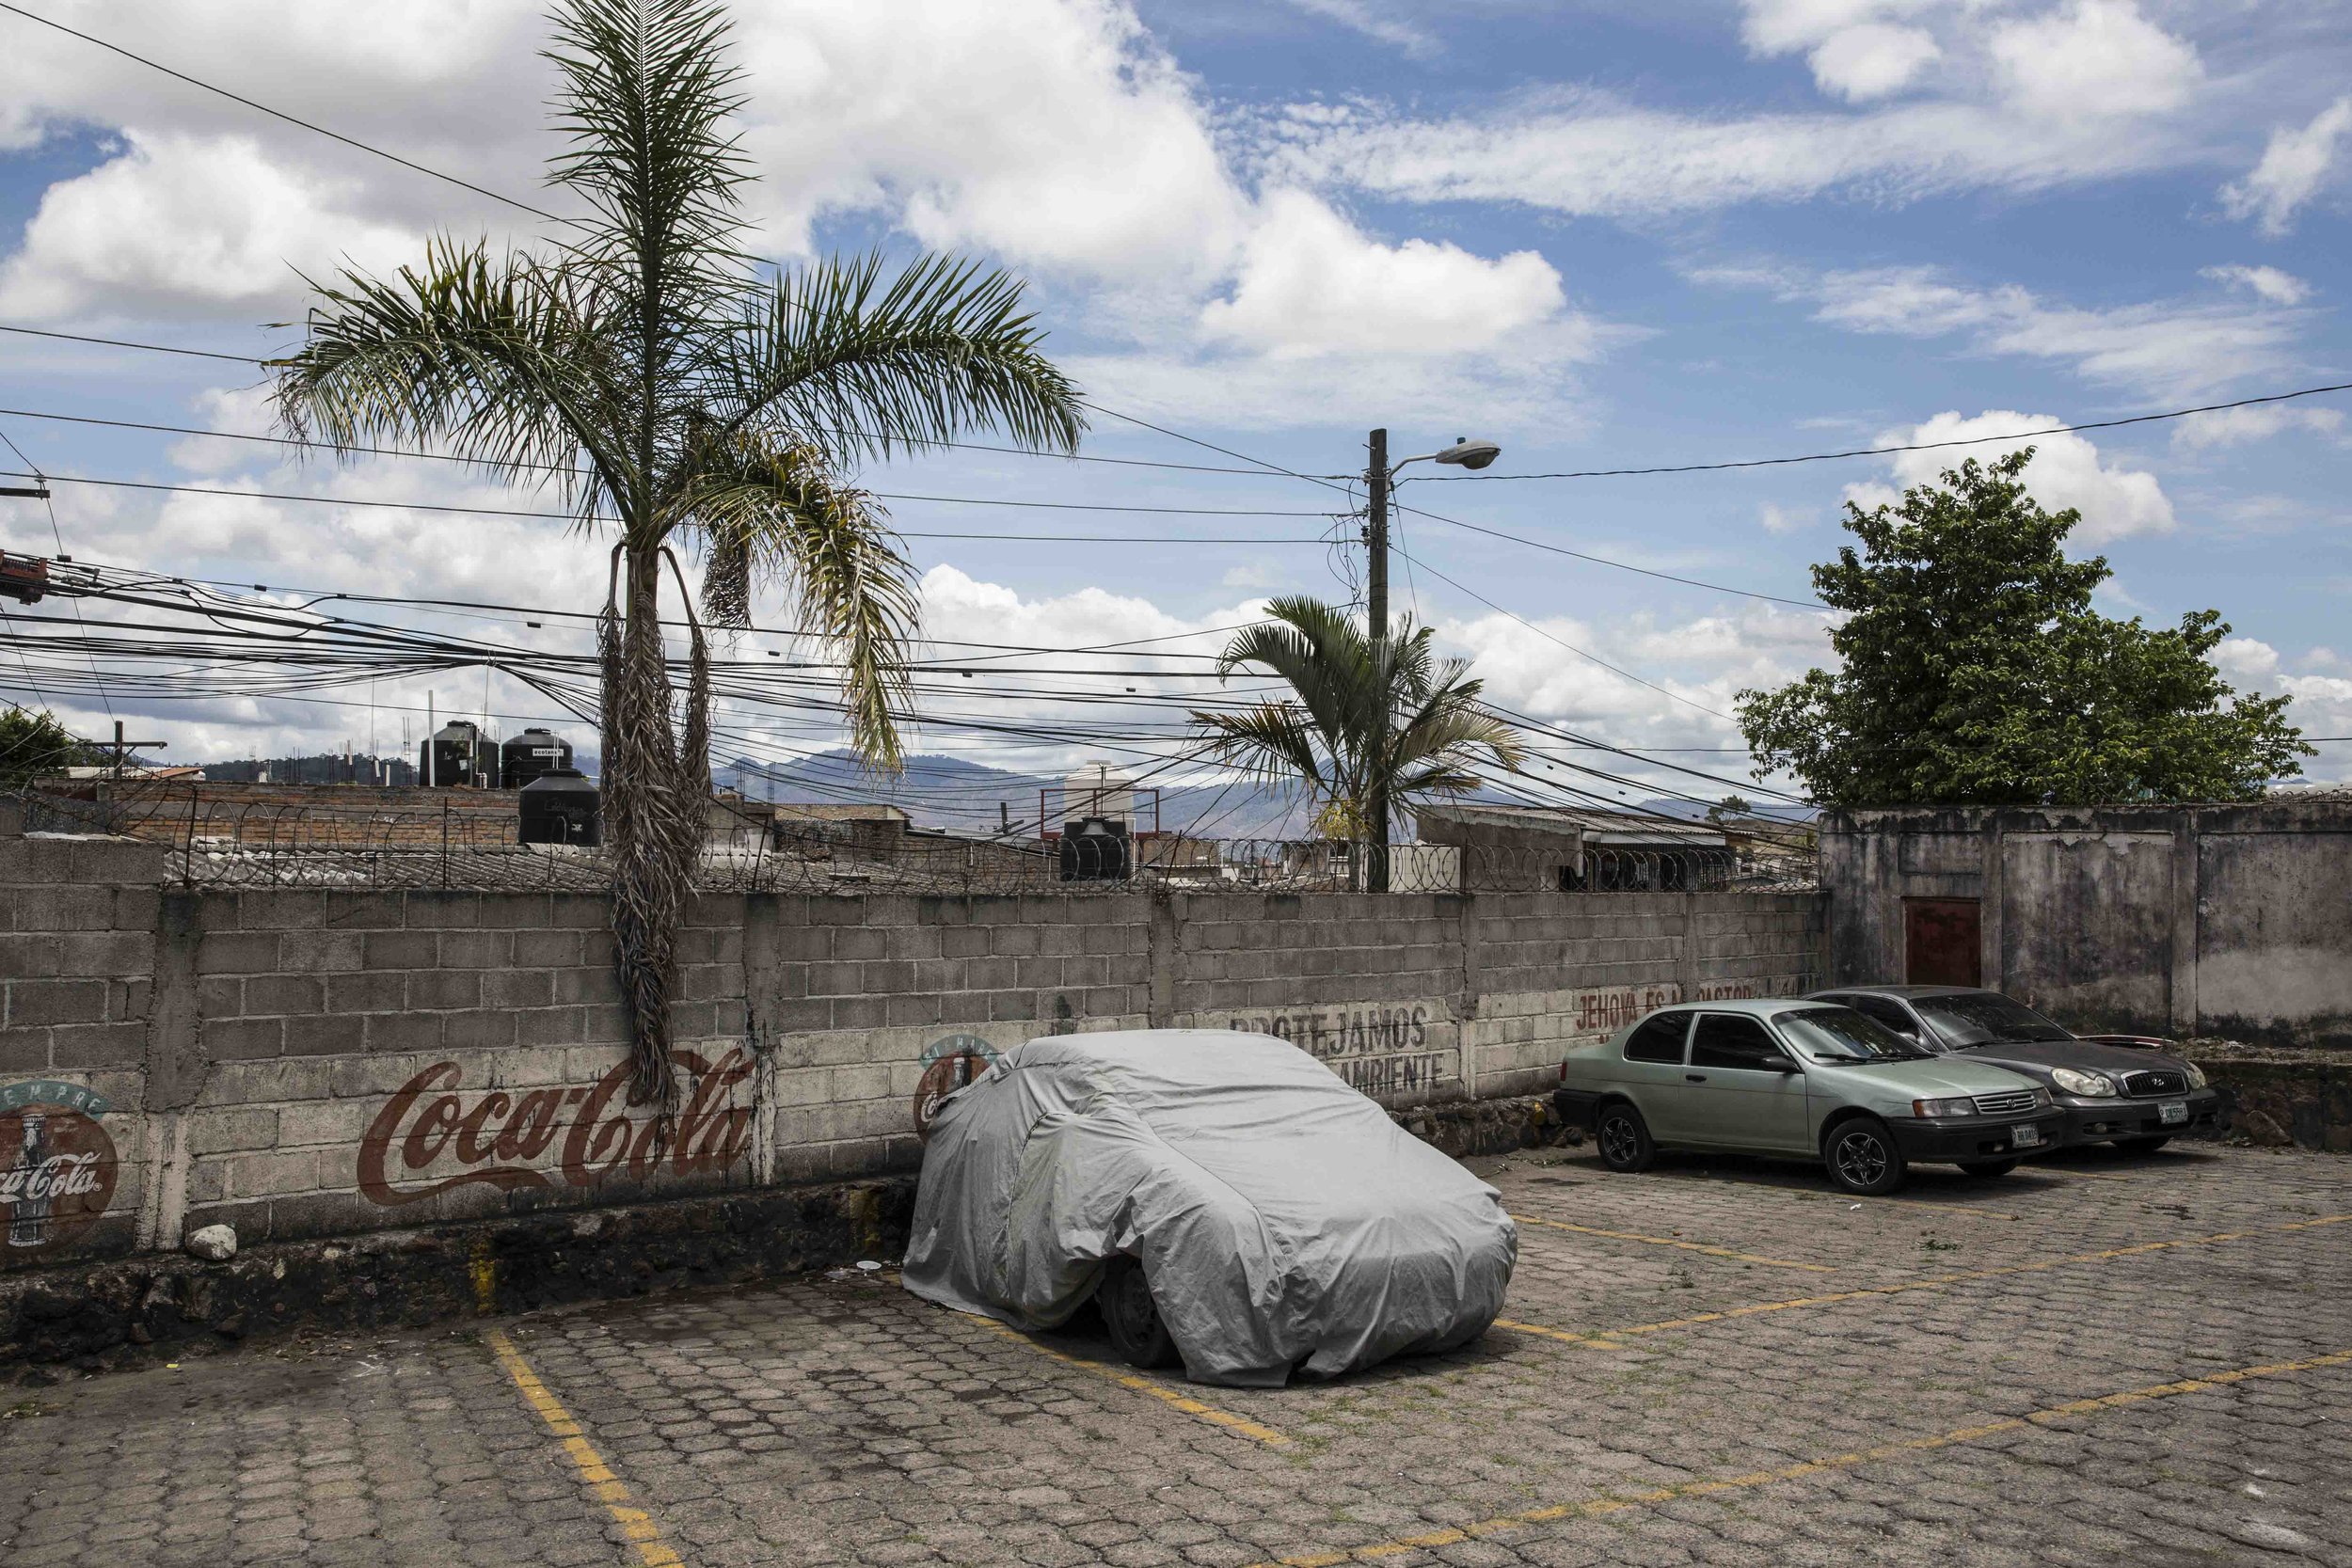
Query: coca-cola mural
{"type": "Point", "coordinates": [57, 1166]}
{"type": "Point", "coordinates": [435, 1135]}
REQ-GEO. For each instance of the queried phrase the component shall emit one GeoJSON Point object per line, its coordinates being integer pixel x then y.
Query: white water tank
{"type": "Point", "coordinates": [1098, 790]}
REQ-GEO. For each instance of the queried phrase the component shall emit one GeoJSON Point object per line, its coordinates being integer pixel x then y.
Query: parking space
{"type": "Point", "coordinates": [2093, 1360]}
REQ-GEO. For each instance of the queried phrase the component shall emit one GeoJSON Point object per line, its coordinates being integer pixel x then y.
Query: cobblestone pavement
{"type": "Point", "coordinates": [2097, 1360]}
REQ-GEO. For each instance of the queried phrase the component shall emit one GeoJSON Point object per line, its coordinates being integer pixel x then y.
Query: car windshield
{"type": "Point", "coordinates": [1842, 1035]}
{"type": "Point", "coordinates": [1985, 1018]}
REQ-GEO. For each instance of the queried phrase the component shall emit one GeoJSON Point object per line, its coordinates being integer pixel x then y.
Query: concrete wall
{"type": "Point", "coordinates": [2233, 921]}
{"type": "Point", "coordinates": [304, 1063]}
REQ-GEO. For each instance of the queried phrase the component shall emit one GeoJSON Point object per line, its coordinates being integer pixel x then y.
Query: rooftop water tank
{"type": "Point", "coordinates": [456, 754]}
{"type": "Point", "coordinates": [528, 755]}
{"type": "Point", "coordinates": [558, 807]}
{"type": "Point", "coordinates": [1095, 850]}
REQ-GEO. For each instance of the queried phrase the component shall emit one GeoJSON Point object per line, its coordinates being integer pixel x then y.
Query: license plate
{"type": "Point", "coordinates": [2028, 1137]}
{"type": "Point", "coordinates": [2172, 1111]}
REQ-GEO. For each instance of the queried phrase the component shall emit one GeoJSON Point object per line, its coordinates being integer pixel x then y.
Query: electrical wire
{"type": "Point", "coordinates": [281, 114]}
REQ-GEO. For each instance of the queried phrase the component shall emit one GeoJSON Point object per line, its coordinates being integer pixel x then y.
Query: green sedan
{"type": "Point", "coordinates": [1778, 1076]}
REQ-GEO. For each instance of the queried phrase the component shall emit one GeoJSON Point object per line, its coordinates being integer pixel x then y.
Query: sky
{"type": "Point", "coordinates": [1603, 234]}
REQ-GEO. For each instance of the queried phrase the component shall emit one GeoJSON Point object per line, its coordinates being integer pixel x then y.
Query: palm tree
{"type": "Point", "coordinates": [1368, 718]}
{"type": "Point", "coordinates": [645, 368]}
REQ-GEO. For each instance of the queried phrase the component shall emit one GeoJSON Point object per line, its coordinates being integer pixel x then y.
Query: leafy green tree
{"type": "Point", "coordinates": [646, 365]}
{"type": "Point", "coordinates": [1362, 710]}
{"type": "Point", "coordinates": [35, 745]}
{"type": "Point", "coordinates": [1976, 672]}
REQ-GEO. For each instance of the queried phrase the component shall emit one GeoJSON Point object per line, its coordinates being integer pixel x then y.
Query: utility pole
{"type": "Point", "coordinates": [1376, 610]}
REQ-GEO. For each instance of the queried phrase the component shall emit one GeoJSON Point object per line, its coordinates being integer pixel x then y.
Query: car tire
{"type": "Point", "coordinates": [1124, 1298]}
{"type": "Point", "coordinates": [2143, 1146]}
{"type": "Point", "coordinates": [1861, 1156]}
{"type": "Point", "coordinates": [1988, 1168]}
{"type": "Point", "coordinates": [1624, 1139]}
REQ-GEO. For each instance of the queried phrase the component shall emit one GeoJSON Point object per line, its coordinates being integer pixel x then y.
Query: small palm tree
{"type": "Point", "coordinates": [646, 369]}
{"type": "Point", "coordinates": [1372, 723]}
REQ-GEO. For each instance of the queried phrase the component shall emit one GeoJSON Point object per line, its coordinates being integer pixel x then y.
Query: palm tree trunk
{"type": "Point", "coordinates": [653, 823]}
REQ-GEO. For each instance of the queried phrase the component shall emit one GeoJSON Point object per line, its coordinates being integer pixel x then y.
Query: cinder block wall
{"type": "Point", "coordinates": [300, 1062]}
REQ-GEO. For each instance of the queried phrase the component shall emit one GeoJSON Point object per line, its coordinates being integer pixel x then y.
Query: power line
{"type": "Point", "coordinates": [281, 114]}
{"type": "Point", "coordinates": [1570, 646]}
{"type": "Point", "coordinates": [907, 533]}
{"type": "Point", "coordinates": [1328, 481]}
{"type": "Point", "coordinates": [1883, 451]}
{"type": "Point", "coordinates": [440, 457]}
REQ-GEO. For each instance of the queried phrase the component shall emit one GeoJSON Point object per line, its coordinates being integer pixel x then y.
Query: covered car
{"type": "Point", "coordinates": [1235, 1201]}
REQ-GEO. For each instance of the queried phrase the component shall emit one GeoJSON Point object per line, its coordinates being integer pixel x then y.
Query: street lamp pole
{"type": "Point", "coordinates": [1376, 480]}
{"type": "Point", "coordinates": [1378, 477]}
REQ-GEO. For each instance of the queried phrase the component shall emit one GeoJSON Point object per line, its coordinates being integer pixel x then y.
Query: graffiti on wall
{"type": "Point", "coordinates": [57, 1166]}
{"type": "Point", "coordinates": [948, 1065]}
{"type": "Point", "coordinates": [1608, 1008]}
{"type": "Point", "coordinates": [499, 1137]}
{"type": "Point", "coordinates": [1377, 1049]}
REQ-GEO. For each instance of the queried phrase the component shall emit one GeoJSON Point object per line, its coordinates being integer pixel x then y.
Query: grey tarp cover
{"type": "Point", "coordinates": [1282, 1219]}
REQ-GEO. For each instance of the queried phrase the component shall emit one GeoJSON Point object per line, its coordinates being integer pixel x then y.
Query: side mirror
{"type": "Point", "coordinates": [1781, 1064]}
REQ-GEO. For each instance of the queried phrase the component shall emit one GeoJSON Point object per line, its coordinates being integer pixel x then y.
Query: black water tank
{"type": "Point", "coordinates": [456, 754]}
{"type": "Point", "coordinates": [558, 807]}
{"type": "Point", "coordinates": [1095, 850]}
{"type": "Point", "coordinates": [530, 753]}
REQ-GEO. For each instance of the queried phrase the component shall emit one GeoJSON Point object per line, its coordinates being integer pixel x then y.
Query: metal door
{"type": "Point", "coordinates": [1942, 941]}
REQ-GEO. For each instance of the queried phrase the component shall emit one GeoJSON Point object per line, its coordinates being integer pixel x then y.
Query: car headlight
{"type": "Point", "coordinates": [1959, 1105]}
{"type": "Point", "coordinates": [2196, 1075]}
{"type": "Point", "coordinates": [2094, 1085]}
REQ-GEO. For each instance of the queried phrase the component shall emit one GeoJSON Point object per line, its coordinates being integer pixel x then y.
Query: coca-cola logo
{"type": "Point", "coordinates": [56, 1168]}
{"type": "Point", "coordinates": [498, 1137]}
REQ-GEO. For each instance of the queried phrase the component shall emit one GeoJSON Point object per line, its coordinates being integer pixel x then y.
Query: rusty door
{"type": "Point", "coordinates": [1942, 941]}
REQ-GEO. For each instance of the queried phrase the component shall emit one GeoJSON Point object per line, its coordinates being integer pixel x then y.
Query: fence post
{"type": "Point", "coordinates": [445, 841]}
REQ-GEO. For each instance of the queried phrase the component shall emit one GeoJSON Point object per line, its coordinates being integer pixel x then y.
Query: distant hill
{"type": "Point", "coordinates": [970, 796]}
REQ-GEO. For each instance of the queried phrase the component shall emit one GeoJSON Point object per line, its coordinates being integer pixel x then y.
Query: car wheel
{"type": "Point", "coordinates": [1132, 1316]}
{"type": "Point", "coordinates": [1861, 1157]}
{"type": "Point", "coordinates": [1624, 1141]}
{"type": "Point", "coordinates": [2143, 1146]}
{"type": "Point", "coordinates": [1988, 1168]}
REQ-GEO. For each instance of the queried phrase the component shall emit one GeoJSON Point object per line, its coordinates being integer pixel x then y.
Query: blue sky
{"type": "Point", "coordinates": [1606, 235]}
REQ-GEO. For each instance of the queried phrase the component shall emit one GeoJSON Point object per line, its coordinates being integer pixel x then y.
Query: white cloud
{"type": "Point", "coordinates": [1777, 522]}
{"type": "Point", "coordinates": [2322, 702]}
{"type": "Point", "coordinates": [2157, 349]}
{"type": "Point", "coordinates": [1871, 61]}
{"type": "Point", "coordinates": [1056, 136]}
{"type": "Point", "coordinates": [177, 221]}
{"type": "Point", "coordinates": [2096, 59]}
{"type": "Point", "coordinates": [2294, 167]}
{"type": "Point", "coordinates": [1374, 21]}
{"type": "Point", "coordinates": [2116, 502]}
{"type": "Point", "coordinates": [2230, 427]}
{"type": "Point", "coordinates": [1311, 283]}
{"type": "Point", "coordinates": [2269, 283]}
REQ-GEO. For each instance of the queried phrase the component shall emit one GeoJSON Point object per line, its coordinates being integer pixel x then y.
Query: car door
{"type": "Point", "coordinates": [1742, 1093]}
{"type": "Point", "coordinates": [1652, 1074]}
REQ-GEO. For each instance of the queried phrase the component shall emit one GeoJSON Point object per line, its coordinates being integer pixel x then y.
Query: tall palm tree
{"type": "Point", "coordinates": [645, 368]}
{"type": "Point", "coordinates": [1364, 711]}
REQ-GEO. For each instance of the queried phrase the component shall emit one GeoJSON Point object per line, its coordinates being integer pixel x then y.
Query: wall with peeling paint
{"type": "Point", "coordinates": [301, 1062]}
{"type": "Point", "coordinates": [2228, 920]}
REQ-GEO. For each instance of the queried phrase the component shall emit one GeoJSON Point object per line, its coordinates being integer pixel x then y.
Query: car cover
{"type": "Point", "coordinates": [1283, 1221]}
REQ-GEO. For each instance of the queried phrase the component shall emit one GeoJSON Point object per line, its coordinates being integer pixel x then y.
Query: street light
{"type": "Point", "coordinates": [1463, 453]}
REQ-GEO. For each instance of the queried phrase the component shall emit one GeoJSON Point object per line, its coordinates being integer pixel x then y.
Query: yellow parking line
{"type": "Point", "coordinates": [608, 1488]}
{"type": "Point", "coordinates": [1598, 1507]}
{"type": "Point", "coordinates": [1605, 1339]}
{"type": "Point", "coordinates": [1158, 1390]}
{"type": "Point", "coordinates": [1672, 1242]}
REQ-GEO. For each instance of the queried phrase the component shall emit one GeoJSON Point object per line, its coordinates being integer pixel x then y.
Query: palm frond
{"type": "Point", "coordinates": [781, 514]}
{"type": "Point", "coordinates": [834, 355]}
{"type": "Point", "coordinates": [495, 360]}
